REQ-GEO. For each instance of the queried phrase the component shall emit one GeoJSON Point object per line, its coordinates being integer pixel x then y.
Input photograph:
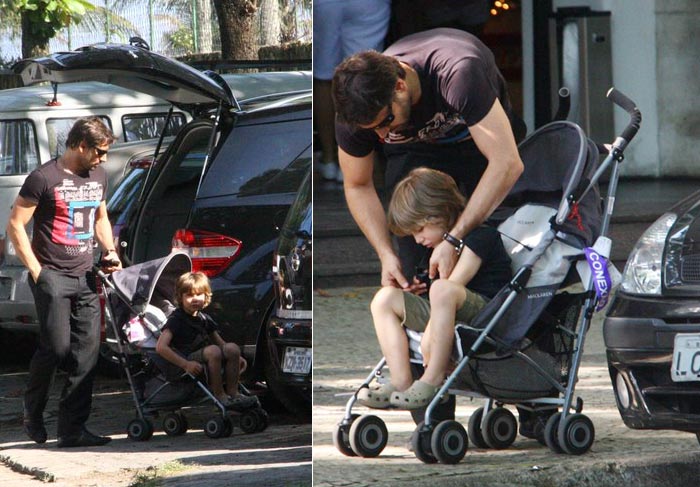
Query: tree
{"type": "Point", "coordinates": [42, 19]}
{"type": "Point", "coordinates": [270, 26]}
{"type": "Point", "coordinates": [238, 32]}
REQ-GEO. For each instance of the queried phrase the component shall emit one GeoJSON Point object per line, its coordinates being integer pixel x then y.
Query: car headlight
{"type": "Point", "coordinates": [642, 273]}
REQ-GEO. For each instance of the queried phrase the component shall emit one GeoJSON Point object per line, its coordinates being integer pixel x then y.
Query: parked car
{"type": "Point", "coordinates": [289, 353]}
{"type": "Point", "coordinates": [221, 190]}
{"type": "Point", "coordinates": [652, 328]}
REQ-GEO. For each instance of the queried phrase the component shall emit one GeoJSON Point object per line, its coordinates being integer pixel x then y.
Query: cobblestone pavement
{"type": "Point", "coordinates": [278, 456]}
{"type": "Point", "coordinates": [345, 351]}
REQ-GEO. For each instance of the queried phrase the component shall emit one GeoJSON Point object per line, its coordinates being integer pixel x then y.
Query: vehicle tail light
{"type": "Point", "coordinates": [142, 162]}
{"type": "Point", "coordinates": [210, 252]}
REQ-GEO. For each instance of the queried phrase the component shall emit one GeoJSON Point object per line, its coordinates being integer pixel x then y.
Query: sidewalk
{"type": "Point", "coordinates": [278, 456]}
{"type": "Point", "coordinates": [345, 351]}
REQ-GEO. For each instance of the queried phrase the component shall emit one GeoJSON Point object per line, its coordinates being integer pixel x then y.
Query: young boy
{"type": "Point", "coordinates": [190, 339]}
{"type": "Point", "coordinates": [426, 205]}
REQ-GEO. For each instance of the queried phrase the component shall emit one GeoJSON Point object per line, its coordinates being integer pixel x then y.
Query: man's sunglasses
{"type": "Point", "coordinates": [386, 122]}
{"type": "Point", "coordinates": [100, 152]}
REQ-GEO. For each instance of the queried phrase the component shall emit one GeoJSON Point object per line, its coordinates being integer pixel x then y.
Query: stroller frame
{"type": "Point", "coordinates": [174, 423]}
{"type": "Point", "coordinates": [565, 432]}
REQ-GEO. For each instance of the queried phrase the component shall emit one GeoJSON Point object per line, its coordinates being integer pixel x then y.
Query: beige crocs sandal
{"type": "Point", "coordinates": [376, 398]}
{"type": "Point", "coordinates": [417, 396]}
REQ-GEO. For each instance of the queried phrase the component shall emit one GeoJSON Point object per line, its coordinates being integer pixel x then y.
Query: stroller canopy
{"type": "Point", "coordinates": [559, 162]}
{"type": "Point", "coordinates": [141, 282]}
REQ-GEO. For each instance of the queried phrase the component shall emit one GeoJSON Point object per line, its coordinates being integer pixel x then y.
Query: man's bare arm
{"type": "Point", "coordinates": [368, 212]}
{"type": "Point", "coordinates": [22, 213]}
{"type": "Point", "coordinates": [103, 234]}
{"type": "Point", "coordinates": [493, 136]}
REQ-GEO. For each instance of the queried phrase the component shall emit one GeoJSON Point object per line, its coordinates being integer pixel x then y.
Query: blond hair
{"type": "Point", "coordinates": [193, 282]}
{"type": "Point", "coordinates": [424, 196]}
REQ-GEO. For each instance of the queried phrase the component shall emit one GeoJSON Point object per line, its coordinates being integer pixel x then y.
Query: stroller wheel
{"type": "Point", "coordinates": [175, 424]}
{"type": "Point", "coordinates": [576, 434]}
{"type": "Point", "coordinates": [551, 433]}
{"type": "Point", "coordinates": [264, 419]}
{"type": "Point", "coordinates": [474, 428]}
{"type": "Point", "coordinates": [368, 436]}
{"type": "Point", "coordinates": [449, 442]}
{"type": "Point", "coordinates": [500, 428]}
{"type": "Point", "coordinates": [215, 426]}
{"type": "Point", "coordinates": [341, 437]}
{"type": "Point", "coordinates": [228, 427]}
{"type": "Point", "coordinates": [250, 421]}
{"type": "Point", "coordinates": [420, 441]}
{"type": "Point", "coordinates": [139, 430]}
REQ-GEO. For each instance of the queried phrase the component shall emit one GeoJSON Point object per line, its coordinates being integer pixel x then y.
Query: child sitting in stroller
{"type": "Point", "coordinates": [426, 204]}
{"type": "Point", "coordinates": [190, 338]}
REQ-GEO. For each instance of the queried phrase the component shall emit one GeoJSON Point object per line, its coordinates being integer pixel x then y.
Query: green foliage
{"type": "Point", "coordinates": [181, 40]}
{"type": "Point", "coordinates": [46, 17]}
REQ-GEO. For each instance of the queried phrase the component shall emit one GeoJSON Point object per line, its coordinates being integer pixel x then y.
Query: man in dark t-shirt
{"type": "Point", "coordinates": [66, 199]}
{"type": "Point", "coordinates": [433, 99]}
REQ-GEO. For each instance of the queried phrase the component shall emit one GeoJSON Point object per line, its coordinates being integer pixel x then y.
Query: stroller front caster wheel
{"type": "Point", "coordinates": [341, 436]}
{"type": "Point", "coordinates": [500, 428]}
{"type": "Point", "coordinates": [449, 442]}
{"type": "Point", "coordinates": [576, 434]}
{"type": "Point", "coordinates": [216, 426]}
{"type": "Point", "coordinates": [175, 424]}
{"type": "Point", "coordinates": [264, 419]}
{"type": "Point", "coordinates": [474, 428]}
{"type": "Point", "coordinates": [420, 442]}
{"type": "Point", "coordinates": [368, 436]}
{"type": "Point", "coordinates": [139, 430]}
{"type": "Point", "coordinates": [250, 421]}
{"type": "Point", "coordinates": [551, 433]}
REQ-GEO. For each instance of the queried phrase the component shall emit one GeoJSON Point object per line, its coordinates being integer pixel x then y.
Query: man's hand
{"type": "Point", "coordinates": [35, 273]}
{"type": "Point", "coordinates": [442, 261]}
{"type": "Point", "coordinates": [391, 273]}
{"type": "Point", "coordinates": [110, 262]}
{"type": "Point", "coordinates": [193, 368]}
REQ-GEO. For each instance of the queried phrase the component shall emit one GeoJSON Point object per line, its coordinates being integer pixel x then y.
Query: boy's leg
{"type": "Point", "coordinates": [232, 355]}
{"type": "Point", "coordinates": [388, 313]}
{"type": "Point", "coordinates": [212, 357]}
{"type": "Point", "coordinates": [446, 298]}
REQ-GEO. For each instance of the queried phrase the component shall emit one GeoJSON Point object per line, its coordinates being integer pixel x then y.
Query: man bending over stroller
{"type": "Point", "coordinates": [190, 339]}
{"type": "Point", "coordinates": [426, 205]}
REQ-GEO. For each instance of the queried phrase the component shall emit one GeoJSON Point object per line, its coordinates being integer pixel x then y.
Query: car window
{"type": "Point", "coordinates": [149, 126]}
{"type": "Point", "coordinates": [125, 195]}
{"type": "Point", "coordinates": [19, 153]}
{"type": "Point", "coordinates": [58, 128]}
{"type": "Point", "coordinates": [256, 159]}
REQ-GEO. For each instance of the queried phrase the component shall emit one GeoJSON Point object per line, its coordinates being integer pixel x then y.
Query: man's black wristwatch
{"type": "Point", "coordinates": [457, 243]}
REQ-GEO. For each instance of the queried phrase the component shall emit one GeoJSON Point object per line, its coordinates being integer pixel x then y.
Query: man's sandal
{"type": "Point", "coordinates": [376, 398]}
{"type": "Point", "coordinates": [417, 396]}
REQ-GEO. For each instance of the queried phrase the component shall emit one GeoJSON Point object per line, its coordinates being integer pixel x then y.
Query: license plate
{"type": "Point", "coordinates": [5, 287]}
{"type": "Point", "coordinates": [686, 358]}
{"type": "Point", "coordinates": [297, 360]}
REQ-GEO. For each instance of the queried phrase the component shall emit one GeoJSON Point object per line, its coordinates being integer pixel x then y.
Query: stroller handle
{"type": "Point", "coordinates": [621, 100]}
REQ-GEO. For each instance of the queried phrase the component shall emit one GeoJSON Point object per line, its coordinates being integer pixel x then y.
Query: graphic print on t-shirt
{"type": "Point", "coordinates": [74, 221]}
{"type": "Point", "coordinates": [443, 128]}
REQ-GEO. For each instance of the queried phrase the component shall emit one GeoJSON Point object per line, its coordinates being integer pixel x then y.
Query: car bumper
{"type": "Point", "coordinates": [639, 335]}
{"type": "Point", "coordinates": [17, 310]}
{"type": "Point", "coordinates": [284, 333]}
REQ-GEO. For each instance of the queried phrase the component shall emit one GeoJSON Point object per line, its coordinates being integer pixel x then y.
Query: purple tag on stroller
{"type": "Point", "coordinates": [600, 276]}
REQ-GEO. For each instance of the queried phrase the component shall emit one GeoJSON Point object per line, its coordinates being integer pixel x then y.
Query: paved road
{"type": "Point", "coordinates": [279, 456]}
{"type": "Point", "coordinates": [345, 351]}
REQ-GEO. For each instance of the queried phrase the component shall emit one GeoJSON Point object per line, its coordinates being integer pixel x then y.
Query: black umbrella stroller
{"type": "Point", "coordinates": [139, 299]}
{"type": "Point", "coordinates": [525, 346]}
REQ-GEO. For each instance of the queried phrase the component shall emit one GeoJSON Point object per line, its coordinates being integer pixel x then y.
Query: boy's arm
{"type": "Point", "coordinates": [216, 339]}
{"type": "Point", "coordinates": [467, 267]}
{"type": "Point", "coordinates": [165, 350]}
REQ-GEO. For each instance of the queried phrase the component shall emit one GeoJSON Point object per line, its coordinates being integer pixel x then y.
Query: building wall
{"type": "Point", "coordinates": [678, 86]}
{"type": "Point", "coordinates": [656, 62]}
